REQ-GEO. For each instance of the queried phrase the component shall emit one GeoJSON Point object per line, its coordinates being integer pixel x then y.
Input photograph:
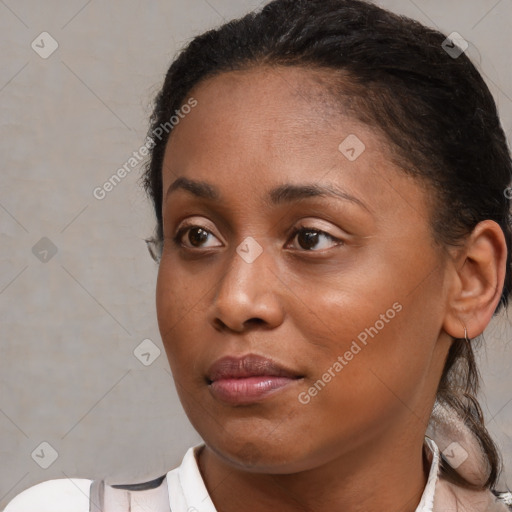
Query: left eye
{"type": "Point", "coordinates": [308, 237]}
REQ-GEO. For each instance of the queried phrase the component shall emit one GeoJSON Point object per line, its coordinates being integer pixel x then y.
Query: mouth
{"type": "Point", "coordinates": [248, 379]}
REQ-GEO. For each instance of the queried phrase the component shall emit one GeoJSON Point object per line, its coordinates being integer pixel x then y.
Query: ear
{"type": "Point", "coordinates": [478, 277]}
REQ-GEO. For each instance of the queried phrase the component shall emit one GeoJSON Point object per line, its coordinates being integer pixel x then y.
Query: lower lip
{"type": "Point", "coordinates": [249, 389]}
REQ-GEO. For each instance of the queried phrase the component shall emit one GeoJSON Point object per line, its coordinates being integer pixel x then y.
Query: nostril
{"type": "Point", "coordinates": [223, 327]}
{"type": "Point", "coordinates": [257, 321]}
{"type": "Point", "coordinates": [220, 325]}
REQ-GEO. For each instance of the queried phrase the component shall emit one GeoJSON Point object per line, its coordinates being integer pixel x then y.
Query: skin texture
{"type": "Point", "coordinates": [357, 444]}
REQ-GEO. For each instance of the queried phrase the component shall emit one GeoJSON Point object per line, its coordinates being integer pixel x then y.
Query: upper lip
{"type": "Point", "coordinates": [250, 365]}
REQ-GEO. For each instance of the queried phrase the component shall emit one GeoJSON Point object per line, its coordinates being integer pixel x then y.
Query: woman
{"type": "Point", "coordinates": [330, 188]}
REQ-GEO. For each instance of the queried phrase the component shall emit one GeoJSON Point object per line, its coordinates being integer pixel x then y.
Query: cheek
{"type": "Point", "coordinates": [370, 342]}
{"type": "Point", "coordinates": [179, 309]}
{"type": "Point", "coordinates": [358, 390]}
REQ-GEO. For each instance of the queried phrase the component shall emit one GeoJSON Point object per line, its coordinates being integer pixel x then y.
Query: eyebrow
{"type": "Point", "coordinates": [282, 194]}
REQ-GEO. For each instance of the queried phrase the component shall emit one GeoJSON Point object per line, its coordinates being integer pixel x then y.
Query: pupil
{"type": "Point", "coordinates": [310, 238]}
{"type": "Point", "coordinates": [200, 238]}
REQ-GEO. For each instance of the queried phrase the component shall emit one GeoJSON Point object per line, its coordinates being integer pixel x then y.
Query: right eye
{"type": "Point", "coordinates": [196, 235]}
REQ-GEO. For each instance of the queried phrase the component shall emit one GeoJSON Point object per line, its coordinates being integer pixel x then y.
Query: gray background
{"type": "Point", "coordinates": [70, 325]}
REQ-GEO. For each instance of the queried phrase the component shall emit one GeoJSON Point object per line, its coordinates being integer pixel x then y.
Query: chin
{"type": "Point", "coordinates": [260, 455]}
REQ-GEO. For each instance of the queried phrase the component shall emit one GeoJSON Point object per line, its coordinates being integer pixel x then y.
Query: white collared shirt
{"type": "Point", "coordinates": [183, 490]}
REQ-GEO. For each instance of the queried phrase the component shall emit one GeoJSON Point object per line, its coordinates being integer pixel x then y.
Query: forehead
{"type": "Point", "coordinates": [260, 127]}
{"type": "Point", "coordinates": [265, 112]}
{"type": "Point", "coordinates": [310, 88]}
{"type": "Point", "coordinates": [264, 97]}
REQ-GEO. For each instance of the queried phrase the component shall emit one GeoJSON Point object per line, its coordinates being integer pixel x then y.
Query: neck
{"type": "Point", "coordinates": [387, 475]}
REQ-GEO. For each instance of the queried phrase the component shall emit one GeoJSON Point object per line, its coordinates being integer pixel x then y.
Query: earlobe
{"type": "Point", "coordinates": [479, 275]}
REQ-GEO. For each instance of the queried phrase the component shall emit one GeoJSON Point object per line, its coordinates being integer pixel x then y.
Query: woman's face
{"type": "Point", "coordinates": [350, 309]}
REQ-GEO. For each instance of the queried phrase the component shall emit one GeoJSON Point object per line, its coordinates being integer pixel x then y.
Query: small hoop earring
{"type": "Point", "coordinates": [466, 339]}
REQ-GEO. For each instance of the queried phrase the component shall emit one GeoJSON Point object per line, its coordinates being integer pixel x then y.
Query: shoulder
{"type": "Point", "coordinates": [60, 495]}
{"type": "Point", "coordinates": [453, 497]}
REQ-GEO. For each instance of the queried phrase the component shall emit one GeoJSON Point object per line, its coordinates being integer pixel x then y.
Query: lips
{"type": "Point", "coordinates": [248, 366]}
{"type": "Point", "coordinates": [247, 379]}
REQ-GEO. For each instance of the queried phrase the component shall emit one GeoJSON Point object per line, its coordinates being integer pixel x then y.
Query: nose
{"type": "Point", "coordinates": [248, 293]}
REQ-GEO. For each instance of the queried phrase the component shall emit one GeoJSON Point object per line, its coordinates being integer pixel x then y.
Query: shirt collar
{"type": "Point", "coordinates": [192, 485]}
{"type": "Point", "coordinates": [427, 499]}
